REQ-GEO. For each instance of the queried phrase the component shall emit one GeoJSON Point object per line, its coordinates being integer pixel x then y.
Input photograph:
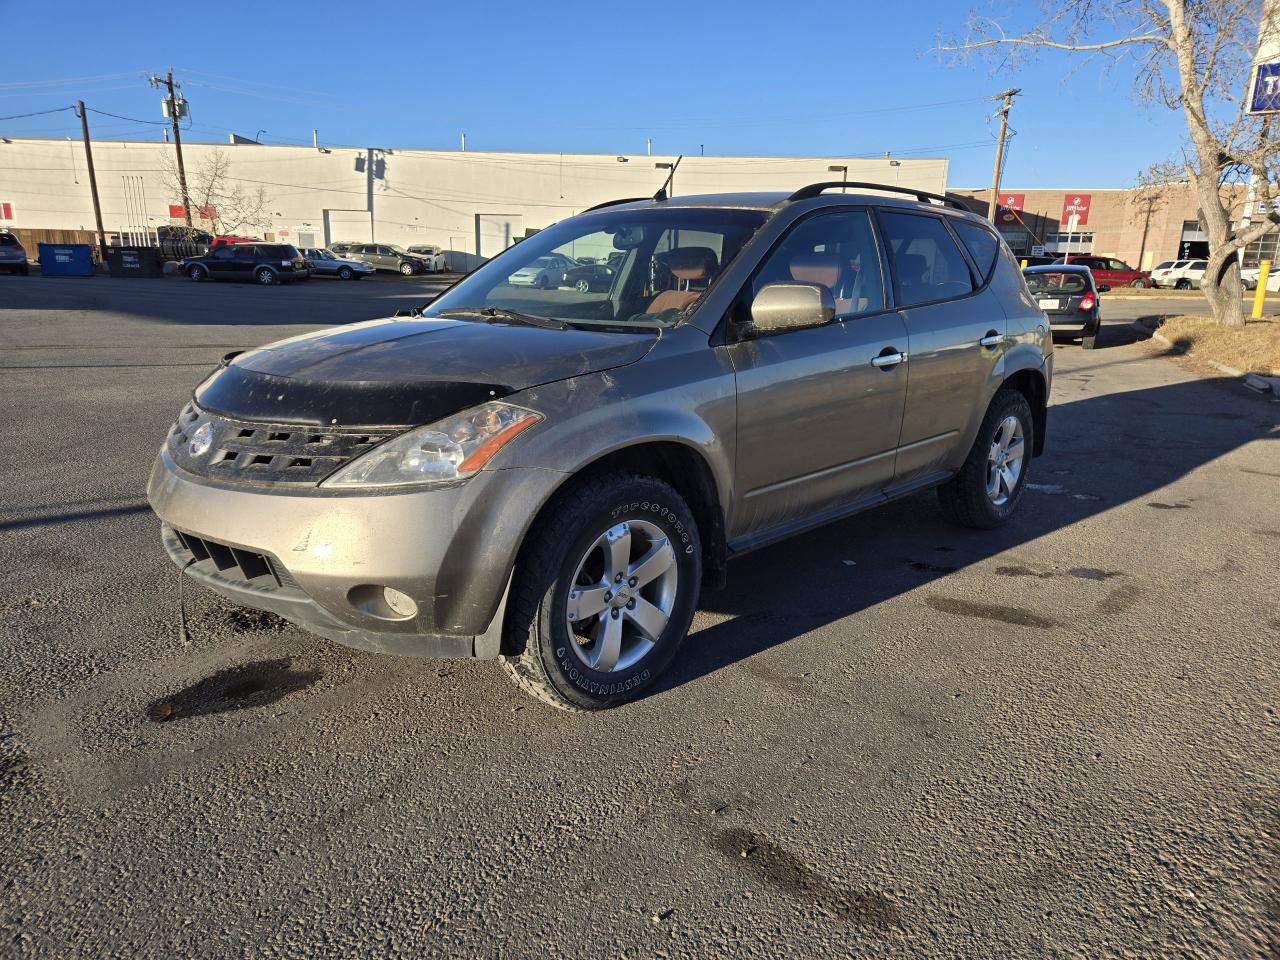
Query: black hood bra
{"type": "Point", "coordinates": [405, 372]}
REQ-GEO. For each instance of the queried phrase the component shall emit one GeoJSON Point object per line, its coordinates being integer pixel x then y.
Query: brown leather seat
{"type": "Point", "coordinates": [822, 269]}
{"type": "Point", "coordinates": [688, 264]}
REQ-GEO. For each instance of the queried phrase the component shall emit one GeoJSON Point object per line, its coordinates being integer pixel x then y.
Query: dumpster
{"type": "Point", "coordinates": [65, 259]}
{"type": "Point", "coordinates": [134, 262]}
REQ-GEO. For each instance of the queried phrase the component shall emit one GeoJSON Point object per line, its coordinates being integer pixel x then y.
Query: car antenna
{"type": "Point", "coordinates": [662, 190]}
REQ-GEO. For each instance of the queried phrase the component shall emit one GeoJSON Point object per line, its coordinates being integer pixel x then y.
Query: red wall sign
{"type": "Point", "coordinates": [1077, 203]}
{"type": "Point", "coordinates": [175, 211]}
{"type": "Point", "coordinates": [1009, 202]}
{"type": "Point", "coordinates": [6, 211]}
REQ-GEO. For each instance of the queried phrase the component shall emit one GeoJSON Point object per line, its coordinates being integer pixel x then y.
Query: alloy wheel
{"type": "Point", "coordinates": [1004, 462]}
{"type": "Point", "coordinates": [621, 597]}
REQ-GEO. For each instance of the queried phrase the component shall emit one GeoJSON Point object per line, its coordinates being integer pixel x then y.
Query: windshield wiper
{"type": "Point", "coordinates": [501, 314]}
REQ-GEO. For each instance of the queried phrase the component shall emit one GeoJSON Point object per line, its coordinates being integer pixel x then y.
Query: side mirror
{"type": "Point", "coordinates": [779, 307]}
{"type": "Point", "coordinates": [1103, 288]}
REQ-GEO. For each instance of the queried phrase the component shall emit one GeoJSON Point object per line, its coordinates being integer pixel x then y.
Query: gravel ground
{"type": "Point", "coordinates": [887, 738]}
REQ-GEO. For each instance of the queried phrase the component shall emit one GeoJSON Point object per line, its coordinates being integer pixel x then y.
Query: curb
{"type": "Point", "coordinates": [1253, 381]}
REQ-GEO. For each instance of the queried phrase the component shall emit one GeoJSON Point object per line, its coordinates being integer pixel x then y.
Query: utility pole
{"type": "Point", "coordinates": [168, 83]}
{"type": "Point", "coordinates": [93, 182]}
{"type": "Point", "coordinates": [1007, 98]}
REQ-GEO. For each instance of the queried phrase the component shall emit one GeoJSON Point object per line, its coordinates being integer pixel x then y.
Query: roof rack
{"type": "Point", "coordinates": [816, 189]}
{"type": "Point", "coordinates": [614, 203]}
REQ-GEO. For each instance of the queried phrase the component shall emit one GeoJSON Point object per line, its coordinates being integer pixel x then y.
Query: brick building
{"type": "Point", "coordinates": [1140, 227]}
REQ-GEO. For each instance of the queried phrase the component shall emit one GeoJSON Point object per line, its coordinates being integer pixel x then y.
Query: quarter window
{"type": "Point", "coordinates": [927, 264]}
{"type": "Point", "coordinates": [836, 250]}
{"type": "Point", "coordinates": [982, 245]}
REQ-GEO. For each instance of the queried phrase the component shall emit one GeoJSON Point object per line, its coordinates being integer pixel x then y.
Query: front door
{"type": "Point", "coordinates": [221, 264]}
{"type": "Point", "coordinates": [818, 423]}
{"type": "Point", "coordinates": [957, 328]}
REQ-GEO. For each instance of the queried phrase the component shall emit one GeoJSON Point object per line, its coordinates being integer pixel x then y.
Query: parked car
{"type": "Point", "coordinates": [387, 256]}
{"type": "Point", "coordinates": [437, 262]}
{"type": "Point", "coordinates": [543, 272]}
{"type": "Point", "coordinates": [1070, 298]}
{"type": "Point", "coordinates": [1036, 260]}
{"type": "Point", "coordinates": [326, 263]}
{"type": "Point", "coordinates": [1191, 275]}
{"type": "Point", "coordinates": [587, 277]}
{"type": "Point", "coordinates": [1249, 278]}
{"type": "Point", "coordinates": [550, 481]}
{"type": "Point", "coordinates": [1109, 270]}
{"type": "Point", "coordinates": [230, 240]}
{"type": "Point", "coordinates": [342, 247]}
{"type": "Point", "coordinates": [13, 256]}
{"type": "Point", "coordinates": [1171, 273]}
{"type": "Point", "coordinates": [263, 263]}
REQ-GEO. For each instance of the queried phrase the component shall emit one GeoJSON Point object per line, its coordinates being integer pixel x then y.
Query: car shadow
{"type": "Point", "coordinates": [1103, 451]}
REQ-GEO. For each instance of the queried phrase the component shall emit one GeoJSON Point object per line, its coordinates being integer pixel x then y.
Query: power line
{"type": "Point", "coordinates": [66, 80]}
{"type": "Point", "coordinates": [19, 116]}
{"type": "Point", "coordinates": [156, 123]}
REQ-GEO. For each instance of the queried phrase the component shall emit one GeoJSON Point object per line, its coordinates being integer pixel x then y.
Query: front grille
{"type": "Point", "coordinates": [243, 450]}
{"type": "Point", "coordinates": [235, 563]}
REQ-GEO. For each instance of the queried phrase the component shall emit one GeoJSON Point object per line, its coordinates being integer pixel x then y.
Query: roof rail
{"type": "Point", "coordinates": [614, 203]}
{"type": "Point", "coordinates": [816, 189]}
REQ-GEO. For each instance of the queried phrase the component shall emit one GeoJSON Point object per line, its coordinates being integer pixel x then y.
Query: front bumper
{"type": "Point", "coordinates": [451, 549]}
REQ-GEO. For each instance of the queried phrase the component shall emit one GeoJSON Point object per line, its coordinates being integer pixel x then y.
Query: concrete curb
{"type": "Point", "coordinates": [1256, 383]}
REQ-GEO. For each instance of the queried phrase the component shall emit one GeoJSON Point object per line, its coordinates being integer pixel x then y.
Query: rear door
{"type": "Point", "coordinates": [956, 325]}
{"type": "Point", "coordinates": [817, 421]}
{"type": "Point", "coordinates": [245, 259]}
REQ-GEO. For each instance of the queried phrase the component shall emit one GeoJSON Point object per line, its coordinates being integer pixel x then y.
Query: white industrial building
{"type": "Point", "coordinates": [471, 203]}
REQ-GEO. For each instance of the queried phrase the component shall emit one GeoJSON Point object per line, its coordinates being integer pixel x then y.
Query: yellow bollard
{"type": "Point", "coordinates": [1024, 264]}
{"type": "Point", "coordinates": [1260, 294]}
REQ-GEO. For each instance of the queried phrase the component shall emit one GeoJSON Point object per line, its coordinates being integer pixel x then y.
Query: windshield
{"type": "Point", "coordinates": [1063, 283]}
{"type": "Point", "coordinates": [654, 264]}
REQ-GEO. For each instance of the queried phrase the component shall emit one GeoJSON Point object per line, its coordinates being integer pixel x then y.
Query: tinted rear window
{"type": "Point", "coordinates": [8, 240]}
{"type": "Point", "coordinates": [1060, 283]}
{"type": "Point", "coordinates": [927, 264]}
{"type": "Point", "coordinates": [981, 242]}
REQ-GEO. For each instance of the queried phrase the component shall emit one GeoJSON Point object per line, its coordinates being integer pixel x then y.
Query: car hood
{"type": "Point", "coordinates": [402, 372]}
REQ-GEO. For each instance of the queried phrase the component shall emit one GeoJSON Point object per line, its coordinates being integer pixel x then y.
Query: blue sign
{"type": "Point", "coordinates": [1266, 89]}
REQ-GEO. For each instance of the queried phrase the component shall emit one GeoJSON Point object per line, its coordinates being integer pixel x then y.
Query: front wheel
{"type": "Point", "coordinates": [1137, 283]}
{"type": "Point", "coordinates": [265, 276]}
{"type": "Point", "coordinates": [582, 286]}
{"type": "Point", "coordinates": [604, 592]}
{"type": "Point", "coordinates": [986, 490]}
{"type": "Point", "coordinates": [197, 273]}
{"type": "Point", "coordinates": [345, 273]}
{"type": "Point", "coordinates": [406, 269]}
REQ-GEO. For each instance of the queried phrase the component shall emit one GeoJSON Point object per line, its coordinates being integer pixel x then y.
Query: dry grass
{"type": "Point", "coordinates": [1254, 348]}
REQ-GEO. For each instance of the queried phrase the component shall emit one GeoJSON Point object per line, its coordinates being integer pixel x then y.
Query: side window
{"type": "Point", "coordinates": [981, 242]}
{"type": "Point", "coordinates": [927, 264]}
{"type": "Point", "coordinates": [223, 253]}
{"type": "Point", "coordinates": [837, 250]}
{"type": "Point", "coordinates": [1118, 265]}
{"type": "Point", "coordinates": [245, 252]}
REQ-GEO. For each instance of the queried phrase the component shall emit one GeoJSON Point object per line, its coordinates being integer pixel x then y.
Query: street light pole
{"type": "Point", "coordinates": [1007, 98]}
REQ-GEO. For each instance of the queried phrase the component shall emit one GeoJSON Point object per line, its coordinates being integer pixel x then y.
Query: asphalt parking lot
{"type": "Point", "coordinates": [887, 738]}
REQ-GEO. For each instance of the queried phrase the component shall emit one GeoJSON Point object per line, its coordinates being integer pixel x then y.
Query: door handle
{"type": "Point", "coordinates": [889, 359]}
{"type": "Point", "coordinates": [992, 339]}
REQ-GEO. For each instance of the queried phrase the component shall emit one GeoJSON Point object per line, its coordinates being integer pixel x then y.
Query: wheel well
{"type": "Point", "coordinates": [1031, 385]}
{"type": "Point", "coordinates": [689, 473]}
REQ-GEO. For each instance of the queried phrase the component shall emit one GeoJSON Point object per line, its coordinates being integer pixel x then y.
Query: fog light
{"type": "Point", "coordinates": [401, 604]}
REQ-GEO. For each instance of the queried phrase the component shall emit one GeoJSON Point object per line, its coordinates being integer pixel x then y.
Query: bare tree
{"type": "Point", "coordinates": [1192, 55]}
{"type": "Point", "coordinates": [217, 197]}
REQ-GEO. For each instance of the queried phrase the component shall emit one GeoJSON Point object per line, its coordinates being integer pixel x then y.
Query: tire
{"type": "Point", "coordinates": [265, 276]}
{"type": "Point", "coordinates": [1137, 283]}
{"type": "Point", "coordinates": [406, 269]}
{"type": "Point", "coordinates": [583, 286]}
{"type": "Point", "coordinates": [1182, 285]}
{"type": "Point", "coordinates": [197, 273]}
{"type": "Point", "coordinates": [965, 498]}
{"type": "Point", "coordinates": [345, 273]}
{"type": "Point", "coordinates": [569, 546]}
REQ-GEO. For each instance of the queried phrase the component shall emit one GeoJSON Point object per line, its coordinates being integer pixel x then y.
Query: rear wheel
{"type": "Point", "coordinates": [986, 490]}
{"type": "Point", "coordinates": [1182, 285]}
{"type": "Point", "coordinates": [604, 592]}
{"type": "Point", "coordinates": [265, 276]}
{"type": "Point", "coordinates": [197, 273]}
{"type": "Point", "coordinates": [345, 273]}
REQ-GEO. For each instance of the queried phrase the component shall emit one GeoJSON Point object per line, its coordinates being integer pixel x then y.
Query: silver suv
{"type": "Point", "coordinates": [548, 476]}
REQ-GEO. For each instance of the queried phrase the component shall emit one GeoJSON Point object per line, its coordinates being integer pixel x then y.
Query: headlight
{"type": "Point", "coordinates": [451, 449]}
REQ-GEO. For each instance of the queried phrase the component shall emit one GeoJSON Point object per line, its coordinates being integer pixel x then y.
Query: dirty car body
{"type": "Point", "coordinates": [412, 485]}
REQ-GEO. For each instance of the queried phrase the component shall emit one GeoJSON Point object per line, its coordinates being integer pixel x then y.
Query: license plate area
{"type": "Point", "coordinates": [1049, 304]}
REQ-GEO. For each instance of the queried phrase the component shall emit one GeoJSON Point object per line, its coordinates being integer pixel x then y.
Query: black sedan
{"type": "Point", "coordinates": [588, 277]}
{"type": "Point", "coordinates": [1069, 298]}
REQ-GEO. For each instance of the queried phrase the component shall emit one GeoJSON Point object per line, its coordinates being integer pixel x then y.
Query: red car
{"type": "Point", "coordinates": [1109, 271]}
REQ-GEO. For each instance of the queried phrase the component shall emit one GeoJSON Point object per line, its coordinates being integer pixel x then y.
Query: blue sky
{"type": "Point", "coordinates": [731, 78]}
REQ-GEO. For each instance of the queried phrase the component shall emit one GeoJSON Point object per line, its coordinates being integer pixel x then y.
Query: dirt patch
{"type": "Point", "coordinates": [791, 876]}
{"type": "Point", "coordinates": [1119, 600]}
{"type": "Point", "coordinates": [1254, 348]}
{"type": "Point", "coordinates": [237, 688]}
{"type": "Point", "coordinates": [1093, 573]}
{"type": "Point", "coordinates": [1157, 505]}
{"type": "Point", "coordinates": [990, 611]}
{"type": "Point", "coordinates": [1015, 570]}
{"type": "Point", "coordinates": [924, 566]}
{"type": "Point", "coordinates": [244, 620]}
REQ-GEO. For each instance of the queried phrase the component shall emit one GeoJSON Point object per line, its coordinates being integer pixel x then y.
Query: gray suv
{"type": "Point", "coordinates": [549, 476]}
{"type": "Point", "coordinates": [387, 256]}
